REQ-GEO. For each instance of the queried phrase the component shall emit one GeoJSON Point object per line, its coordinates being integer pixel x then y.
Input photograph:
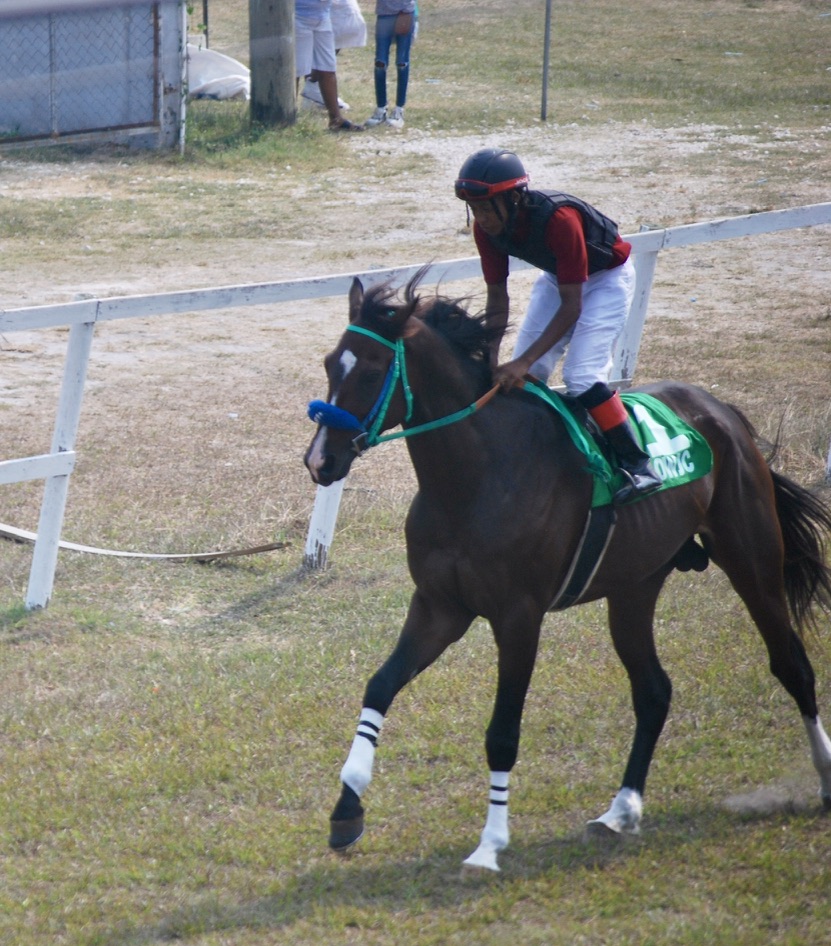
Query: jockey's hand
{"type": "Point", "coordinates": [509, 374]}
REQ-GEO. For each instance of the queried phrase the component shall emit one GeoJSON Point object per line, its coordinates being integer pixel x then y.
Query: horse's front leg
{"type": "Point", "coordinates": [517, 642]}
{"type": "Point", "coordinates": [428, 630]}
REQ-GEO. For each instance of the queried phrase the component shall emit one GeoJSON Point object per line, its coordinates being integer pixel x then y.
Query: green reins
{"type": "Point", "coordinates": [398, 370]}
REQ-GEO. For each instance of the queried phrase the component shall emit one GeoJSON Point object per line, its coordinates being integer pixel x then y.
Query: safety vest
{"type": "Point", "coordinates": [600, 232]}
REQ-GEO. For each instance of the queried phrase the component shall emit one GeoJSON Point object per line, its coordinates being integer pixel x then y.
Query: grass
{"type": "Point", "coordinates": [681, 72]}
{"type": "Point", "coordinates": [172, 734]}
{"type": "Point", "coordinates": [736, 63]}
{"type": "Point", "coordinates": [180, 764]}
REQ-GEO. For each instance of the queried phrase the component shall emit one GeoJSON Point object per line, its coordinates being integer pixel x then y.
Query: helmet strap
{"type": "Point", "coordinates": [508, 221]}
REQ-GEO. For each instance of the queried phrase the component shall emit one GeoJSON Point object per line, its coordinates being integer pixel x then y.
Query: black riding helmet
{"type": "Point", "coordinates": [489, 172]}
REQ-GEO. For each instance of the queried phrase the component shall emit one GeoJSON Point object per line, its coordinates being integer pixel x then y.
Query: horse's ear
{"type": "Point", "coordinates": [356, 298]}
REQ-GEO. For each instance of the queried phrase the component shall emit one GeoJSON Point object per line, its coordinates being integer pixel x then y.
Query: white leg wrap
{"type": "Point", "coordinates": [821, 754]}
{"type": "Point", "coordinates": [357, 770]}
{"type": "Point", "coordinates": [624, 816]}
{"type": "Point", "coordinates": [495, 835]}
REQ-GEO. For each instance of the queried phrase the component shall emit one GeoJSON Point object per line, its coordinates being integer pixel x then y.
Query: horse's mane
{"type": "Point", "coordinates": [468, 336]}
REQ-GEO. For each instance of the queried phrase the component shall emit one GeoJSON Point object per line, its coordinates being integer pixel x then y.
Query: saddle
{"type": "Point", "coordinates": [679, 455]}
{"type": "Point", "coordinates": [678, 452]}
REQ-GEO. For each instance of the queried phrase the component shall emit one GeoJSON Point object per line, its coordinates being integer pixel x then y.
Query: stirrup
{"type": "Point", "coordinates": [636, 486]}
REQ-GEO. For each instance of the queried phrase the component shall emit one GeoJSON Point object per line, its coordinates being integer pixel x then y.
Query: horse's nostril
{"type": "Point", "coordinates": [323, 474]}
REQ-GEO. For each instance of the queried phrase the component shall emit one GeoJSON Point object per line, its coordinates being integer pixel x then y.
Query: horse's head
{"type": "Point", "coordinates": [368, 389]}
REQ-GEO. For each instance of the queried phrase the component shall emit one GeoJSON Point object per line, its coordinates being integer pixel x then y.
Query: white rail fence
{"type": "Point", "coordinates": [57, 466]}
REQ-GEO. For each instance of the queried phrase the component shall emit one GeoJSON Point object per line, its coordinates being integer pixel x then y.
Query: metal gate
{"type": "Point", "coordinates": [75, 72]}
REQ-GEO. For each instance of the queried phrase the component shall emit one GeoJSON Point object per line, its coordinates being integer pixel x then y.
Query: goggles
{"type": "Point", "coordinates": [478, 190]}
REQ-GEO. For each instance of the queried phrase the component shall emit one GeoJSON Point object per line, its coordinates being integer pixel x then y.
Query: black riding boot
{"type": "Point", "coordinates": [608, 412]}
{"type": "Point", "coordinates": [634, 464]}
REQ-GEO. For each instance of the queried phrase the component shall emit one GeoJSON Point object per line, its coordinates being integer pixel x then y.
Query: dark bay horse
{"type": "Point", "coordinates": [502, 498]}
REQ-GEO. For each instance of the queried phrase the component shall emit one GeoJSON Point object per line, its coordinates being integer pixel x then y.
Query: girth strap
{"type": "Point", "coordinates": [597, 534]}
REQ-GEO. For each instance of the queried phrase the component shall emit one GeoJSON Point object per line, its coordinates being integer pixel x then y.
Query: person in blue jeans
{"type": "Point", "coordinates": [395, 20]}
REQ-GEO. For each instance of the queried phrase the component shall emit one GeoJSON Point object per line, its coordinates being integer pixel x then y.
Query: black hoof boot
{"type": "Point", "coordinates": [347, 821]}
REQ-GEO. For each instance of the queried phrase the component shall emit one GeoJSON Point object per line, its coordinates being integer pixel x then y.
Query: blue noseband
{"type": "Point", "coordinates": [329, 415]}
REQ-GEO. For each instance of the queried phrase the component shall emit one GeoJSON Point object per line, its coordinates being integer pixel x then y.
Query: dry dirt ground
{"type": "Point", "coordinates": [638, 174]}
{"type": "Point", "coordinates": [224, 392]}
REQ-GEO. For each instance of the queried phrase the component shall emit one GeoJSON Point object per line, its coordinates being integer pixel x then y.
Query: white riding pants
{"type": "Point", "coordinates": [590, 343]}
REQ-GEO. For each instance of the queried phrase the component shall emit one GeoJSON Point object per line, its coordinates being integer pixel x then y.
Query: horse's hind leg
{"type": "Point", "coordinates": [428, 630]}
{"type": "Point", "coordinates": [821, 755]}
{"type": "Point", "coordinates": [631, 616]}
{"type": "Point", "coordinates": [789, 663]}
{"type": "Point", "coordinates": [749, 550]}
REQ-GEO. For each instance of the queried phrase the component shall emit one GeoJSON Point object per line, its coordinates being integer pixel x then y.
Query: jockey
{"type": "Point", "coordinates": [578, 304]}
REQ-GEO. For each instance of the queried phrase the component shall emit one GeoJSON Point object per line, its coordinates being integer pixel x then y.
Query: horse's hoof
{"type": "Point", "coordinates": [343, 834]}
{"type": "Point", "coordinates": [474, 866]}
{"type": "Point", "coordinates": [478, 872]}
{"type": "Point", "coordinates": [600, 832]}
{"type": "Point", "coordinates": [826, 802]}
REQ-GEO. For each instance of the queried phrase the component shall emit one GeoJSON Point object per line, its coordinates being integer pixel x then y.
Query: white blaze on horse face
{"type": "Point", "coordinates": [348, 360]}
{"type": "Point", "coordinates": [317, 451]}
{"type": "Point", "coordinates": [316, 456]}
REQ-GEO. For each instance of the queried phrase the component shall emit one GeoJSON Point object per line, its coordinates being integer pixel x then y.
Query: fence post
{"type": "Point", "coordinates": [646, 247]}
{"type": "Point", "coordinates": [626, 354]}
{"type": "Point", "coordinates": [45, 557]}
{"type": "Point", "coordinates": [322, 524]}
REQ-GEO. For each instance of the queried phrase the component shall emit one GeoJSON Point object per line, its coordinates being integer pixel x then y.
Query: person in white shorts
{"type": "Point", "coordinates": [315, 52]}
{"type": "Point", "coordinates": [578, 304]}
{"type": "Point", "coordinates": [349, 27]}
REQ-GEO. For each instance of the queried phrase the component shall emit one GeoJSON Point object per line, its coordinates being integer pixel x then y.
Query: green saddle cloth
{"type": "Point", "coordinates": [678, 452]}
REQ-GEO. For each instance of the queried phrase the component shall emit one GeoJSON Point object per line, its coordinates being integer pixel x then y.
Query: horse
{"type": "Point", "coordinates": [501, 501]}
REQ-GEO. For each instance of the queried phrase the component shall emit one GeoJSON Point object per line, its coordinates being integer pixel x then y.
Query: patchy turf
{"type": "Point", "coordinates": [172, 734]}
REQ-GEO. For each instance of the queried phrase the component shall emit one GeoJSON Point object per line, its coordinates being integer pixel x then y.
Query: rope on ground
{"type": "Point", "coordinates": [21, 535]}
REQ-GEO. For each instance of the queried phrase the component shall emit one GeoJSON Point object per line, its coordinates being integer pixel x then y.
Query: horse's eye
{"type": "Point", "coordinates": [330, 364]}
{"type": "Point", "coordinates": [370, 379]}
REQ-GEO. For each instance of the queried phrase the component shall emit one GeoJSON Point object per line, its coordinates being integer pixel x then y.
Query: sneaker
{"type": "Point", "coordinates": [308, 104]}
{"type": "Point", "coordinates": [310, 97]}
{"type": "Point", "coordinates": [377, 117]}
{"type": "Point", "coordinates": [396, 118]}
{"type": "Point", "coordinates": [311, 94]}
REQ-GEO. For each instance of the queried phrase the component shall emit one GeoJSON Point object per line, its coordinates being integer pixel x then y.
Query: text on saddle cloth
{"type": "Point", "coordinates": [678, 452]}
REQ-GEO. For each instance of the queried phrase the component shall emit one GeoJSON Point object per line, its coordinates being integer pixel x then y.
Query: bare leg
{"type": "Point", "coordinates": [328, 82]}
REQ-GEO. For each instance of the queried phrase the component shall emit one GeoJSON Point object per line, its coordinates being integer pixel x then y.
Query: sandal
{"type": "Point", "coordinates": [346, 125]}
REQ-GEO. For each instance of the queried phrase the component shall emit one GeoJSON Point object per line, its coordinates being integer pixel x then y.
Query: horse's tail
{"type": "Point", "coordinates": [806, 524]}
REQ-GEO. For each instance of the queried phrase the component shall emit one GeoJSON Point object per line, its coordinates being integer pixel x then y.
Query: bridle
{"type": "Point", "coordinates": [329, 415]}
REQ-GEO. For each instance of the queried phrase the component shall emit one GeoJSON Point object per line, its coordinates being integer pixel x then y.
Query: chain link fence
{"type": "Point", "coordinates": [75, 72]}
